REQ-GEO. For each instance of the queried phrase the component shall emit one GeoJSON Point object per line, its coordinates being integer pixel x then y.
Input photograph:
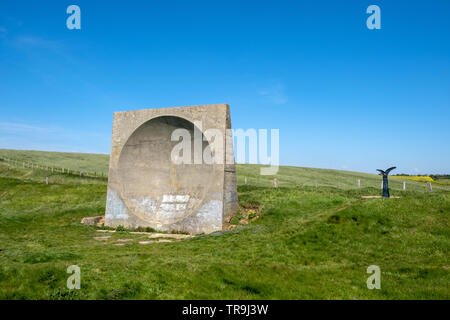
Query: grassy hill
{"type": "Point", "coordinates": [309, 242]}
{"type": "Point", "coordinates": [86, 162]}
{"type": "Point", "coordinates": [287, 176]}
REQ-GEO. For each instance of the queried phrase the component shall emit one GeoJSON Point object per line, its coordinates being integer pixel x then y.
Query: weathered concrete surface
{"type": "Point", "coordinates": [147, 189]}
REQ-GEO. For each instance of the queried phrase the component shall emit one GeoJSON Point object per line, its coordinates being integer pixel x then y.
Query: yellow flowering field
{"type": "Point", "coordinates": [416, 178]}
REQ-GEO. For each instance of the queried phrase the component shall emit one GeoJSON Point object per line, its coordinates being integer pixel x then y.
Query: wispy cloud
{"type": "Point", "coordinates": [275, 94]}
{"type": "Point", "coordinates": [18, 135]}
{"type": "Point", "coordinates": [10, 127]}
{"type": "Point", "coordinates": [3, 32]}
{"type": "Point", "coordinates": [26, 41]}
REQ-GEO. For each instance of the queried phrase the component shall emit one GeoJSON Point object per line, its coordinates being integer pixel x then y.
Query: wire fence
{"type": "Point", "coordinates": [241, 179]}
{"type": "Point", "coordinates": [356, 183]}
{"type": "Point", "coordinates": [53, 169]}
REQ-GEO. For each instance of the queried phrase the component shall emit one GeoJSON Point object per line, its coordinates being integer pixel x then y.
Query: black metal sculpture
{"type": "Point", "coordinates": [385, 181]}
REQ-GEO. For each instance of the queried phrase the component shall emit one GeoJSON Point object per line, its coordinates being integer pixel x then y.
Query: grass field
{"type": "Point", "coordinates": [287, 176]}
{"type": "Point", "coordinates": [76, 161]}
{"type": "Point", "coordinates": [309, 243]}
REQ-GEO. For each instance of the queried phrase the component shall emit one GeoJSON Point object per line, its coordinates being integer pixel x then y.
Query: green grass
{"type": "Point", "coordinates": [287, 176]}
{"type": "Point", "coordinates": [443, 181]}
{"type": "Point", "coordinates": [310, 243]}
{"type": "Point", "coordinates": [298, 176]}
{"type": "Point", "coordinates": [85, 162]}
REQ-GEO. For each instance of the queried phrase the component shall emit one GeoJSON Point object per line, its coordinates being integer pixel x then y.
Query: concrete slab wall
{"type": "Point", "coordinates": [147, 189]}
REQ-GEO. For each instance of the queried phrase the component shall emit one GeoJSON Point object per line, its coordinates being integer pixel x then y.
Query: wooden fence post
{"type": "Point", "coordinates": [359, 184]}
{"type": "Point", "coordinates": [430, 188]}
{"type": "Point", "coordinates": [404, 185]}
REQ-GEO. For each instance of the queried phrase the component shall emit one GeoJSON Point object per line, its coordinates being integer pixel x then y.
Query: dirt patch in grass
{"type": "Point", "coordinates": [247, 213]}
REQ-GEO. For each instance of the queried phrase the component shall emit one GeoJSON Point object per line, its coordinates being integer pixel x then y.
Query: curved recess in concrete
{"type": "Point", "coordinates": [157, 192]}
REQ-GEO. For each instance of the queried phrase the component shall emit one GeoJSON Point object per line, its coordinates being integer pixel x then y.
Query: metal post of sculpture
{"type": "Point", "coordinates": [385, 181]}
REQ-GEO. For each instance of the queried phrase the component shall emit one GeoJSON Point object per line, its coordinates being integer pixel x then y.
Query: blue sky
{"type": "Point", "coordinates": [342, 96]}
